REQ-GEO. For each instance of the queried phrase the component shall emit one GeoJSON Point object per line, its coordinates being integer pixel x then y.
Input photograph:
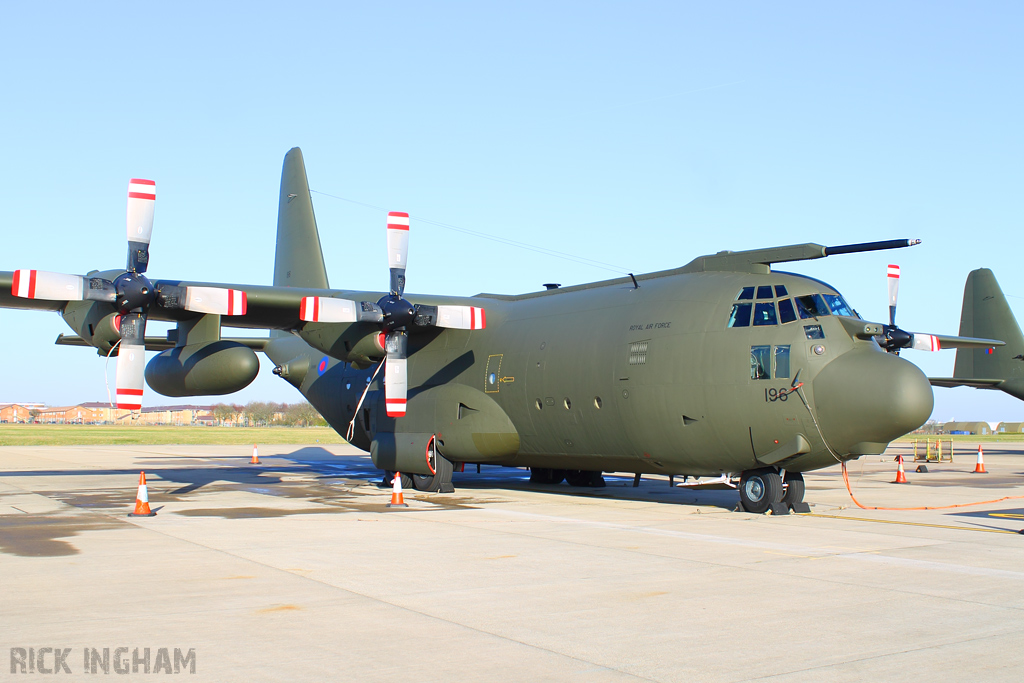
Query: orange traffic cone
{"type": "Point", "coordinates": [142, 500]}
{"type": "Point", "coordinates": [979, 468]}
{"type": "Point", "coordinates": [397, 499]}
{"type": "Point", "coordinates": [901, 476]}
{"type": "Point", "coordinates": [255, 456]}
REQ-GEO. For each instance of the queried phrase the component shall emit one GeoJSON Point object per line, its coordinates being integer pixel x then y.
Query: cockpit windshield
{"type": "Point", "coordinates": [788, 309]}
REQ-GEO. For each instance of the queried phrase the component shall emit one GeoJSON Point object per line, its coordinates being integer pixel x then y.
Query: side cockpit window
{"type": "Point", "coordinates": [740, 315]}
{"type": "Point", "coordinates": [838, 305]}
{"type": "Point", "coordinates": [811, 306]}
{"type": "Point", "coordinates": [786, 312]}
{"type": "Point", "coordinates": [760, 362]}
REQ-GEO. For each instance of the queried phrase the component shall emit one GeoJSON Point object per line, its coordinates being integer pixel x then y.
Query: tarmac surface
{"type": "Point", "coordinates": [296, 569]}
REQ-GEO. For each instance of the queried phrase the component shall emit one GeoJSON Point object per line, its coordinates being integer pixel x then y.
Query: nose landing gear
{"type": "Point", "coordinates": [764, 489]}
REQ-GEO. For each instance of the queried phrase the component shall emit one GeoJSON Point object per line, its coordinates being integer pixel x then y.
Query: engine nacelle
{"type": "Point", "coordinates": [95, 322]}
{"type": "Point", "coordinates": [209, 368]}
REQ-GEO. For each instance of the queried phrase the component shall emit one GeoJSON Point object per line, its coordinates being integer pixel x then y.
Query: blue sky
{"type": "Point", "coordinates": [640, 135]}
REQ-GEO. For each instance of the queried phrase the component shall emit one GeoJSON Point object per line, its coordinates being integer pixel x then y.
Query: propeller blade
{"type": "Point", "coordinates": [395, 374]}
{"type": "Point", "coordinates": [323, 309]}
{"type": "Point", "coordinates": [461, 317]}
{"type": "Point", "coordinates": [894, 292]}
{"type": "Point", "coordinates": [131, 361]}
{"type": "Point", "coordinates": [398, 249]}
{"type": "Point", "coordinates": [39, 284]}
{"type": "Point", "coordinates": [925, 342]}
{"type": "Point", "coordinates": [141, 205]}
{"type": "Point", "coordinates": [215, 300]}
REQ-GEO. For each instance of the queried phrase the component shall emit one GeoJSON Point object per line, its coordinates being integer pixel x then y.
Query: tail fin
{"type": "Point", "coordinates": [986, 314]}
{"type": "Point", "coordinates": [299, 260]}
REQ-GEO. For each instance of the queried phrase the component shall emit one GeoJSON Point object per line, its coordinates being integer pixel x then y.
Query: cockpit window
{"type": "Point", "coordinates": [740, 315]}
{"type": "Point", "coordinates": [760, 362]}
{"type": "Point", "coordinates": [746, 293]}
{"type": "Point", "coordinates": [837, 305]}
{"type": "Point", "coordinates": [786, 312]}
{"type": "Point", "coordinates": [811, 306]}
{"type": "Point", "coordinates": [764, 292]}
{"type": "Point", "coordinates": [780, 290]}
{"type": "Point", "coordinates": [764, 314]}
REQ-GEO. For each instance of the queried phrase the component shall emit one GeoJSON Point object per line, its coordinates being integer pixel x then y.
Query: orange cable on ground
{"type": "Point", "coordinates": [846, 478]}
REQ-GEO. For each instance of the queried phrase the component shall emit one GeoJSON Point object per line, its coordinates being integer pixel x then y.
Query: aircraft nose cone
{"type": "Point", "coordinates": [864, 399]}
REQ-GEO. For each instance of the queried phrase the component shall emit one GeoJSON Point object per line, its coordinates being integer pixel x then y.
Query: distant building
{"type": "Point", "coordinates": [14, 412]}
{"type": "Point", "coordinates": [1010, 428]}
{"type": "Point", "coordinates": [175, 415]}
{"type": "Point", "coordinates": [973, 428]}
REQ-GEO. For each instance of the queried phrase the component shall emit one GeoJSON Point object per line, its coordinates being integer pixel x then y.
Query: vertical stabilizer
{"type": "Point", "coordinates": [299, 260]}
{"type": "Point", "coordinates": [986, 314]}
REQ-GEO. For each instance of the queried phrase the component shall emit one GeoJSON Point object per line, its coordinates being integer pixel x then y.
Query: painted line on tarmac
{"type": "Point", "coordinates": [865, 556]}
{"type": "Point", "coordinates": [936, 526]}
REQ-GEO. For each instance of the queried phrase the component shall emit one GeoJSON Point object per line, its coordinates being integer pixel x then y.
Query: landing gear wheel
{"type": "Point", "coordinates": [546, 475]}
{"type": "Point", "coordinates": [588, 478]}
{"type": "Point", "coordinates": [440, 481]}
{"type": "Point", "coordinates": [759, 490]}
{"type": "Point", "coordinates": [794, 489]}
{"type": "Point", "coordinates": [389, 476]}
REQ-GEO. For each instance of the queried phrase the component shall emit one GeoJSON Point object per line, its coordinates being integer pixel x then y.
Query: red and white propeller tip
{"type": "Point", "coordinates": [216, 300]}
{"type": "Point", "coordinates": [131, 367]}
{"type": "Point", "coordinates": [40, 284]}
{"type": "Point", "coordinates": [141, 206]}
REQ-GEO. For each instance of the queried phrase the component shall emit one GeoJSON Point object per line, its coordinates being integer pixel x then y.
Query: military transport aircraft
{"type": "Point", "coordinates": [986, 312]}
{"type": "Point", "coordinates": [723, 367]}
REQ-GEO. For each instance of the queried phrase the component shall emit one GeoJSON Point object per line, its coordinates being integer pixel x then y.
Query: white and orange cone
{"type": "Point", "coordinates": [255, 456]}
{"type": "Point", "coordinates": [142, 500]}
{"type": "Point", "coordinates": [979, 467]}
{"type": "Point", "coordinates": [901, 476]}
{"type": "Point", "coordinates": [397, 499]}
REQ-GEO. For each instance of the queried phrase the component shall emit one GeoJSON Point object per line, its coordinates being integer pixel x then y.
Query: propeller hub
{"type": "Point", "coordinates": [398, 313]}
{"type": "Point", "coordinates": [135, 292]}
{"type": "Point", "coordinates": [896, 339]}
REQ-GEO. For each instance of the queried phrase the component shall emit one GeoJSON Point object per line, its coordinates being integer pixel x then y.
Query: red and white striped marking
{"type": "Point", "coordinates": [398, 220]}
{"type": "Point", "coordinates": [321, 309]}
{"type": "Point", "coordinates": [138, 188]}
{"type": "Point", "coordinates": [894, 271]}
{"type": "Point", "coordinates": [461, 317]}
{"type": "Point", "coordinates": [926, 342]}
{"type": "Point", "coordinates": [131, 365]}
{"type": "Point", "coordinates": [24, 284]}
{"type": "Point", "coordinates": [237, 302]}
{"type": "Point", "coordinates": [129, 399]}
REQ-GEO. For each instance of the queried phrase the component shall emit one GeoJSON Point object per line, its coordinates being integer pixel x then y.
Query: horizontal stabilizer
{"type": "Point", "coordinates": [950, 382]}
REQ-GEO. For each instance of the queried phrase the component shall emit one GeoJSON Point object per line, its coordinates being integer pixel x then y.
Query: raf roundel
{"type": "Point", "coordinates": [322, 367]}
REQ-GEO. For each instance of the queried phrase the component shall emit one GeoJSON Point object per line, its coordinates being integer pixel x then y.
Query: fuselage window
{"type": "Point", "coordinates": [740, 315]}
{"type": "Point", "coordinates": [746, 293]}
{"type": "Point", "coordinates": [764, 292]}
{"type": "Point", "coordinates": [760, 362]}
{"type": "Point", "coordinates": [786, 312]}
{"type": "Point", "coordinates": [813, 332]}
{"type": "Point", "coordinates": [781, 361]}
{"type": "Point", "coordinates": [764, 314]}
{"type": "Point", "coordinates": [811, 306]}
{"type": "Point", "coordinates": [780, 290]}
{"type": "Point", "coordinates": [837, 305]}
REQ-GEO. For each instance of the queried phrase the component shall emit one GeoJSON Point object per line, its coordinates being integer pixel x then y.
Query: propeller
{"type": "Point", "coordinates": [894, 338]}
{"type": "Point", "coordinates": [132, 293]}
{"type": "Point", "coordinates": [394, 314]}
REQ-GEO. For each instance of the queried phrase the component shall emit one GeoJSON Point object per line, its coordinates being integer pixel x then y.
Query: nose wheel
{"type": "Point", "coordinates": [763, 489]}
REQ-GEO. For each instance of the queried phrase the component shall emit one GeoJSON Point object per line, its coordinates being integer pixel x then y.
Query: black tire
{"type": "Point", "coordinates": [759, 489]}
{"type": "Point", "coordinates": [794, 489]}
{"type": "Point", "coordinates": [546, 475]}
{"type": "Point", "coordinates": [389, 476]}
{"type": "Point", "coordinates": [432, 483]}
{"type": "Point", "coordinates": [587, 478]}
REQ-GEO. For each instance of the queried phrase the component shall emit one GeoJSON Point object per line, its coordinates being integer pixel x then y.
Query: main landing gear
{"type": "Point", "coordinates": [765, 489]}
{"type": "Point", "coordinates": [546, 475]}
